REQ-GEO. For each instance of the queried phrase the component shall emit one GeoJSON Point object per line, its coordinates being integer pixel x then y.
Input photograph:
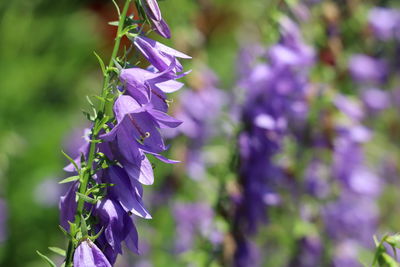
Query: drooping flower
{"type": "Point", "coordinates": [275, 101]}
{"type": "Point", "coordinates": [385, 23]}
{"type": "Point", "coordinates": [118, 227]}
{"type": "Point", "coordinates": [147, 86]}
{"type": "Point", "coordinates": [128, 192]}
{"type": "Point", "coordinates": [367, 70]}
{"type": "Point", "coordinates": [87, 254]}
{"type": "Point", "coordinates": [375, 99]}
{"type": "Point", "coordinates": [136, 132]}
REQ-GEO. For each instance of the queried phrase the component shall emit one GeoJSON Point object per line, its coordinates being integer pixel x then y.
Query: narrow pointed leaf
{"type": "Point", "coordinates": [46, 259]}
{"type": "Point", "coordinates": [71, 160]}
{"type": "Point", "coordinates": [70, 179]}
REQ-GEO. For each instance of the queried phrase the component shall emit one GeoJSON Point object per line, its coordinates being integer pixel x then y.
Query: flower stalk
{"type": "Point", "coordinates": [106, 189]}
{"type": "Point", "coordinates": [86, 173]}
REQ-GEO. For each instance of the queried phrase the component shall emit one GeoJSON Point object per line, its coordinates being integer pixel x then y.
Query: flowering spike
{"type": "Point", "coordinates": [112, 164]}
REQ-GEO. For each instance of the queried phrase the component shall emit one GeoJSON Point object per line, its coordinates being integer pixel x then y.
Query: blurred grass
{"type": "Point", "coordinates": [46, 67]}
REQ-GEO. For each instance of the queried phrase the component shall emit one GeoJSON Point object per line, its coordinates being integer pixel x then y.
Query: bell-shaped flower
{"type": "Point", "coordinates": [146, 86]}
{"type": "Point", "coordinates": [134, 123]}
{"type": "Point", "coordinates": [367, 70]}
{"type": "Point", "coordinates": [118, 227]}
{"type": "Point", "coordinates": [87, 254]}
{"type": "Point", "coordinates": [384, 22]}
{"type": "Point", "coordinates": [127, 191]}
{"type": "Point", "coordinates": [114, 220]}
{"type": "Point", "coordinates": [159, 55]}
{"type": "Point", "coordinates": [140, 123]}
{"type": "Point", "coordinates": [137, 131]}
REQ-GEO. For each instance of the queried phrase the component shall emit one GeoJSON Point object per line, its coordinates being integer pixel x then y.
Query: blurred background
{"type": "Point", "coordinates": [47, 67]}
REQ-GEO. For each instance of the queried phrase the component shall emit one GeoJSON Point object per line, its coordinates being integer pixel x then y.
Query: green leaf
{"type": "Point", "coordinates": [102, 66]}
{"type": "Point", "coordinates": [389, 260]}
{"type": "Point", "coordinates": [376, 241]}
{"type": "Point", "coordinates": [71, 160]}
{"type": "Point", "coordinates": [116, 63]}
{"type": "Point", "coordinates": [45, 258]}
{"type": "Point", "coordinates": [89, 101]}
{"type": "Point", "coordinates": [84, 226]}
{"type": "Point", "coordinates": [394, 240]}
{"type": "Point", "coordinates": [58, 251]}
{"type": "Point", "coordinates": [100, 98]}
{"type": "Point", "coordinates": [127, 29]}
{"type": "Point", "coordinates": [70, 179]}
{"type": "Point", "coordinates": [93, 238]}
{"type": "Point", "coordinates": [87, 198]}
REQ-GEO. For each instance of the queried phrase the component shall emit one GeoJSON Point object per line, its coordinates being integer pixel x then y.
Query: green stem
{"type": "Point", "coordinates": [88, 171]}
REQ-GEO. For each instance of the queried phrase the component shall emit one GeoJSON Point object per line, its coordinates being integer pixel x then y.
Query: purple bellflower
{"type": "Point", "coordinates": [385, 23]}
{"type": "Point", "coordinates": [367, 70]}
{"type": "Point", "coordinates": [375, 99]}
{"type": "Point", "coordinates": [274, 107]}
{"type": "Point", "coordinates": [274, 100]}
{"type": "Point", "coordinates": [146, 86]}
{"type": "Point", "coordinates": [351, 220]}
{"type": "Point", "coordinates": [118, 227]}
{"type": "Point", "coordinates": [87, 254]}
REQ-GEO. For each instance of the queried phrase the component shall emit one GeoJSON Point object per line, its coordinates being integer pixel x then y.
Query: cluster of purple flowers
{"type": "Point", "coordinates": [274, 106]}
{"type": "Point", "coordinates": [140, 113]}
{"type": "Point", "coordinates": [351, 219]}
